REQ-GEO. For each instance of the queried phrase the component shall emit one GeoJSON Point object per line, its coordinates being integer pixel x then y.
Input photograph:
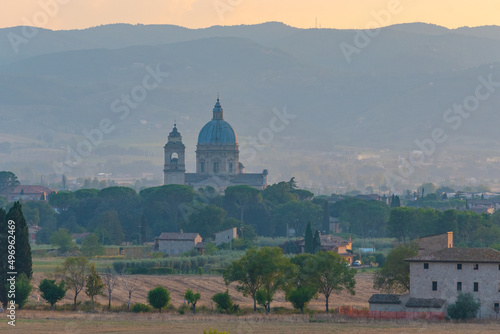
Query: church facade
{"type": "Point", "coordinates": [217, 158]}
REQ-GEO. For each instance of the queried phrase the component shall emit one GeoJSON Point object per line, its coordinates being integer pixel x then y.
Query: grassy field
{"type": "Point", "coordinates": [42, 322]}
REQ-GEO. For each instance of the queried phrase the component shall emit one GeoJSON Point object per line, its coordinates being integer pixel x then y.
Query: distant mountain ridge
{"type": "Point", "coordinates": [392, 92]}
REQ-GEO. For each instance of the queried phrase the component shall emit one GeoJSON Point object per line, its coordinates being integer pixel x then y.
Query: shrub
{"type": "Point", "coordinates": [158, 297]}
{"type": "Point", "coordinates": [52, 292]}
{"type": "Point", "coordinates": [465, 307]}
{"type": "Point", "coordinates": [139, 307]}
{"type": "Point", "coordinates": [119, 266]}
{"type": "Point", "coordinates": [224, 302]}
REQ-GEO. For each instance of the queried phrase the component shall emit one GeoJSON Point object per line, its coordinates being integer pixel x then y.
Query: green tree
{"type": "Point", "coordinates": [465, 307]}
{"type": "Point", "coordinates": [74, 271]}
{"type": "Point", "coordinates": [94, 284]}
{"type": "Point", "coordinates": [158, 297]}
{"type": "Point", "coordinates": [192, 298]}
{"type": "Point", "coordinates": [394, 276]}
{"type": "Point", "coordinates": [23, 290]}
{"type": "Point", "coordinates": [301, 296]}
{"type": "Point", "coordinates": [223, 301]}
{"type": "Point", "coordinates": [8, 181]}
{"type": "Point", "coordinates": [108, 225]}
{"type": "Point", "coordinates": [309, 240]}
{"type": "Point", "coordinates": [316, 242]}
{"type": "Point", "coordinates": [297, 215]}
{"type": "Point", "coordinates": [241, 197]}
{"type": "Point", "coordinates": [164, 203]}
{"type": "Point", "coordinates": [91, 246]}
{"type": "Point", "coordinates": [64, 240]}
{"type": "Point", "coordinates": [330, 273]}
{"type": "Point", "coordinates": [52, 292]}
{"type": "Point", "coordinates": [401, 223]}
{"type": "Point", "coordinates": [300, 289]}
{"type": "Point", "coordinates": [62, 200]}
{"type": "Point", "coordinates": [275, 269]}
{"type": "Point", "coordinates": [206, 221]}
{"type": "Point", "coordinates": [23, 263]}
{"type": "Point", "coordinates": [279, 193]}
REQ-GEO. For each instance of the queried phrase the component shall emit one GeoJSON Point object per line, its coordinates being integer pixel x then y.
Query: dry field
{"type": "Point", "coordinates": [40, 322]}
{"type": "Point", "coordinates": [45, 322]}
{"type": "Point", "coordinates": [208, 286]}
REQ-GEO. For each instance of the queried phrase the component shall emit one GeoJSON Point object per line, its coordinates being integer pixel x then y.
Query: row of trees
{"type": "Point", "coordinates": [470, 229]}
{"type": "Point", "coordinates": [117, 214]}
{"type": "Point", "coordinates": [261, 273]}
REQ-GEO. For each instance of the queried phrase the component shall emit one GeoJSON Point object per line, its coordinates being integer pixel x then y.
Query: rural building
{"type": "Point", "coordinates": [226, 236]}
{"type": "Point", "coordinates": [438, 274]}
{"type": "Point", "coordinates": [78, 237]}
{"type": "Point", "coordinates": [435, 242]}
{"type": "Point", "coordinates": [333, 244]}
{"type": "Point", "coordinates": [29, 193]}
{"type": "Point", "coordinates": [445, 273]}
{"type": "Point", "coordinates": [176, 243]}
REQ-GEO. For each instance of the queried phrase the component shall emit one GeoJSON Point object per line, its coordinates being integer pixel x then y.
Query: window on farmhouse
{"type": "Point", "coordinates": [426, 266]}
{"type": "Point", "coordinates": [434, 286]}
{"type": "Point", "coordinates": [476, 266]}
{"type": "Point", "coordinates": [459, 286]}
{"type": "Point", "coordinates": [496, 307]}
{"type": "Point", "coordinates": [476, 286]}
{"type": "Point", "coordinates": [459, 266]}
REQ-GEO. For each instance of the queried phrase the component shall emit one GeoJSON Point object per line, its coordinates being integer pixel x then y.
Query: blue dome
{"type": "Point", "coordinates": [217, 131]}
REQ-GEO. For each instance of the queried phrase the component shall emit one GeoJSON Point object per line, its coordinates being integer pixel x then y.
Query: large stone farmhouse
{"type": "Point", "coordinates": [176, 243]}
{"type": "Point", "coordinates": [438, 276]}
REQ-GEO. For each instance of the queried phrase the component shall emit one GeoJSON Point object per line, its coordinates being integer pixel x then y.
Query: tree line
{"type": "Point", "coordinates": [119, 214]}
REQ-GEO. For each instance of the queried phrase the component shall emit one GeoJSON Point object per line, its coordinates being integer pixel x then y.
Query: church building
{"type": "Point", "coordinates": [217, 158]}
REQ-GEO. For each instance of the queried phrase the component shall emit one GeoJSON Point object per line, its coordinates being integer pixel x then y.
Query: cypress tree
{"type": "Point", "coordinates": [308, 239]}
{"type": "Point", "coordinates": [23, 262]}
{"type": "Point", "coordinates": [316, 242]}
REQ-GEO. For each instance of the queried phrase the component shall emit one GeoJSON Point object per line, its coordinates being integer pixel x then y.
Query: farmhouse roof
{"type": "Point", "coordinates": [425, 302]}
{"type": "Point", "coordinates": [30, 190]}
{"type": "Point", "coordinates": [178, 236]}
{"type": "Point", "coordinates": [384, 299]}
{"type": "Point", "coordinates": [484, 255]}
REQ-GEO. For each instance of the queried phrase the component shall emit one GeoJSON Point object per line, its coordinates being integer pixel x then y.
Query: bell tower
{"type": "Point", "coordinates": [174, 169]}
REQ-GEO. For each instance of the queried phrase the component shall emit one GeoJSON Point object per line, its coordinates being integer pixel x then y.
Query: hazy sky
{"type": "Point", "coordinates": [77, 14]}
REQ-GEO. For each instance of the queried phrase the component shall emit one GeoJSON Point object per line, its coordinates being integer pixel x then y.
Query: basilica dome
{"type": "Point", "coordinates": [217, 131]}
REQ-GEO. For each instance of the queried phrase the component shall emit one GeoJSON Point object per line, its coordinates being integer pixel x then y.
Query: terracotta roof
{"type": "Point", "coordinates": [29, 190]}
{"type": "Point", "coordinates": [484, 255]}
{"type": "Point", "coordinates": [384, 299]}
{"type": "Point", "coordinates": [328, 241]}
{"type": "Point", "coordinates": [177, 236]}
{"type": "Point", "coordinates": [425, 302]}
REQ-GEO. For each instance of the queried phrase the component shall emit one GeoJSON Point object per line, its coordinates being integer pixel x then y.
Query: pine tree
{"type": "Point", "coordinates": [308, 239]}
